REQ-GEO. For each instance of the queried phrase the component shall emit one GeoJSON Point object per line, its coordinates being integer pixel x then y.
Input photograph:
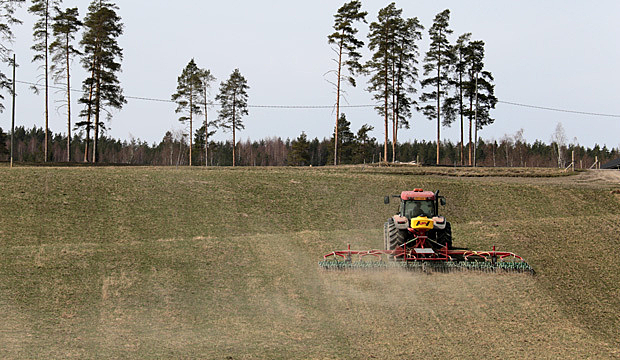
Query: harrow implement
{"type": "Point", "coordinates": [426, 259]}
{"type": "Point", "coordinates": [417, 238]}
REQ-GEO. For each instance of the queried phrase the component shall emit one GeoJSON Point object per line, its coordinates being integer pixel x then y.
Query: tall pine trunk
{"type": "Point", "coordinates": [46, 83]}
{"type": "Point", "coordinates": [471, 108]}
{"type": "Point", "coordinates": [90, 110]}
{"type": "Point", "coordinates": [394, 119]}
{"type": "Point", "coordinates": [476, 122]}
{"type": "Point", "coordinates": [68, 102]}
{"type": "Point", "coordinates": [191, 107]}
{"type": "Point", "coordinates": [461, 113]}
{"type": "Point", "coordinates": [338, 100]}
{"type": "Point", "coordinates": [438, 99]}
{"type": "Point", "coordinates": [386, 96]}
{"type": "Point", "coordinates": [234, 112]}
{"type": "Point", "coordinates": [206, 131]}
{"type": "Point", "coordinates": [97, 114]}
{"type": "Point", "coordinates": [397, 107]}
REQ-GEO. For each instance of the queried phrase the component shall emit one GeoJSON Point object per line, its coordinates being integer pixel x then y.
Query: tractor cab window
{"type": "Point", "coordinates": [419, 208]}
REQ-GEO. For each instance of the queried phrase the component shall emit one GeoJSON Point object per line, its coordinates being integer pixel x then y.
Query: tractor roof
{"type": "Point", "coordinates": [417, 194]}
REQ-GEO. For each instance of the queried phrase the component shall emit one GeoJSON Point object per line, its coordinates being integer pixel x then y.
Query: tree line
{"type": "Point", "coordinates": [356, 147]}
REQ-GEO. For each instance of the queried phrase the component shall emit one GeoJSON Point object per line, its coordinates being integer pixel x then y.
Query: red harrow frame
{"type": "Point", "coordinates": [419, 255]}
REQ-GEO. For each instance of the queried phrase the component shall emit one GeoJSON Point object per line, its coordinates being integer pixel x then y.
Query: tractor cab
{"type": "Point", "coordinates": [414, 208]}
{"type": "Point", "coordinates": [418, 203]}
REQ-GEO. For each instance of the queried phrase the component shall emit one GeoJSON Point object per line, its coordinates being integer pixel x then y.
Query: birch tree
{"type": "Point", "coordinates": [559, 140]}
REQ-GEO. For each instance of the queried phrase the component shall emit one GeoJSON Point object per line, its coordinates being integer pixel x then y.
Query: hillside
{"type": "Point", "coordinates": [217, 263]}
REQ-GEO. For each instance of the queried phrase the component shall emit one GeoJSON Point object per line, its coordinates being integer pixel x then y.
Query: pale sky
{"type": "Point", "coordinates": [558, 54]}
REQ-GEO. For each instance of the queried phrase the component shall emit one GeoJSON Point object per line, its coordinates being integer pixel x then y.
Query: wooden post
{"type": "Point", "coordinates": [573, 160]}
{"type": "Point", "coordinates": [596, 162]}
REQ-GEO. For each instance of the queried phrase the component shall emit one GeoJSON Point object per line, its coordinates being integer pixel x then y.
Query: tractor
{"type": "Point", "coordinates": [417, 237]}
{"type": "Point", "coordinates": [418, 215]}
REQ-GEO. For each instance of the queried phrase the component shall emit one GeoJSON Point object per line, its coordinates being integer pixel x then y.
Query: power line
{"type": "Point", "coordinates": [308, 106]}
{"type": "Point", "coordinates": [141, 98]}
{"type": "Point", "coordinates": [211, 103]}
{"type": "Point", "coordinates": [559, 110]}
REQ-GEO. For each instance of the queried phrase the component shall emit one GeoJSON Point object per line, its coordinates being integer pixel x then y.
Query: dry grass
{"type": "Point", "coordinates": [167, 263]}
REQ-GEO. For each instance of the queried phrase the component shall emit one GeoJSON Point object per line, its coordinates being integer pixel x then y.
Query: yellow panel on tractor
{"type": "Point", "coordinates": [422, 223]}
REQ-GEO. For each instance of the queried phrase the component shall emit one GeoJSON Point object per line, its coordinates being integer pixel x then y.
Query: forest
{"type": "Point", "coordinates": [358, 148]}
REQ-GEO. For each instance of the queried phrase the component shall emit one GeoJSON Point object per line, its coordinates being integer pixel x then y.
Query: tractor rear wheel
{"type": "Point", "coordinates": [444, 237]}
{"type": "Point", "coordinates": [392, 237]}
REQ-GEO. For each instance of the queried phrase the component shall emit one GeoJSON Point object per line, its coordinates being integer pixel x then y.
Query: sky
{"type": "Point", "coordinates": [555, 54]}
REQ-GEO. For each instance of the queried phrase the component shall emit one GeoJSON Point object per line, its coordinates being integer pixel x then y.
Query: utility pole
{"type": "Point", "coordinates": [13, 113]}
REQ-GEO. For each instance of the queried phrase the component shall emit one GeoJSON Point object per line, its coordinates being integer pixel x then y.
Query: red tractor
{"type": "Point", "coordinates": [418, 215]}
{"type": "Point", "coordinates": [419, 238]}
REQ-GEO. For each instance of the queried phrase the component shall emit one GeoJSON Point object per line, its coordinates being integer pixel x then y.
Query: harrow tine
{"type": "Point", "coordinates": [424, 266]}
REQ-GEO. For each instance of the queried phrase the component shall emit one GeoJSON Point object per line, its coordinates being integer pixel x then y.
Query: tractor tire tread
{"type": "Point", "coordinates": [393, 237]}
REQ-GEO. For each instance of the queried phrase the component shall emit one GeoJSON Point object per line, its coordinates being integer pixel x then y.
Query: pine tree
{"type": "Point", "coordinates": [101, 59]}
{"type": "Point", "coordinates": [346, 142]}
{"type": "Point", "coordinates": [206, 79]}
{"type": "Point", "coordinates": [300, 151]}
{"type": "Point", "coordinates": [404, 74]}
{"type": "Point", "coordinates": [233, 98]}
{"type": "Point", "coordinates": [454, 105]}
{"type": "Point", "coordinates": [480, 91]}
{"type": "Point", "coordinates": [200, 136]}
{"type": "Point", "coordinates": [7, 20]}
{"type": "Point", "coordinates": [187, 97]}
{"type": "Point", "coordinates": [347, 49]}
{"type": "Point", "coordinates": [3, 147]}
{"type": "Point", "coordinates": [364, 145]}
{"type": "Point", "coordinates": [382, 41]}
{"type": "Point", "coordinates": [437, 65]}
{"type": "Point", "coordinates": [42, 32]}
{"type": "Point", "coordinates": [66, 24]}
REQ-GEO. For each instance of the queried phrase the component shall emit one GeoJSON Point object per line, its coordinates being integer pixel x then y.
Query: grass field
{"type": "Point", "coordinates": [222, 263]}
